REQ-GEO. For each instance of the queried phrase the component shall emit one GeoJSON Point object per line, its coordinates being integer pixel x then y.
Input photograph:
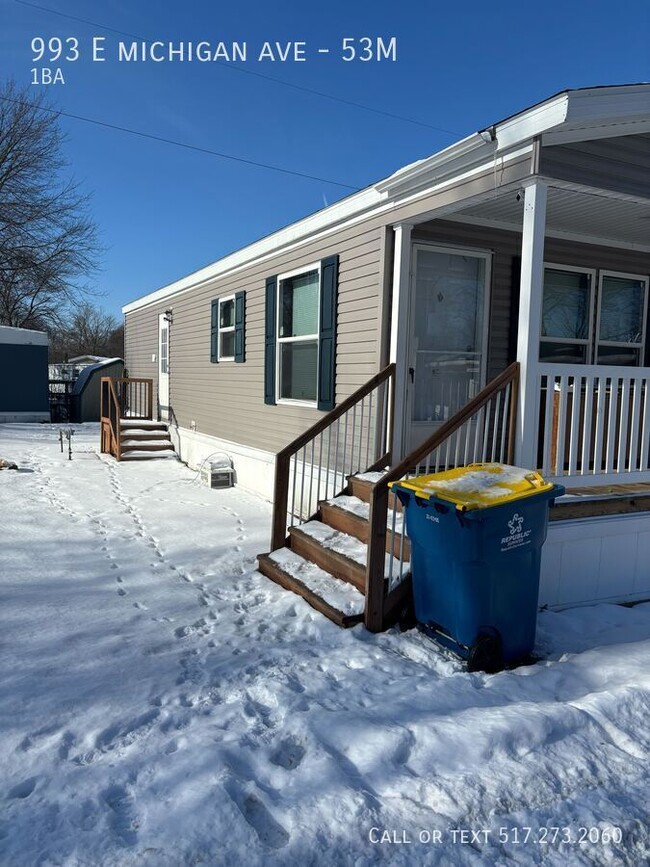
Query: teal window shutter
{"type": "Point", "coordinates": [214, 332]}
{"type": "Point", "coordinates": [240, 327]}
{"type": "Point", "coordinates": [269, 340]}
{"type": "Point", "coordinates": [329, 278]}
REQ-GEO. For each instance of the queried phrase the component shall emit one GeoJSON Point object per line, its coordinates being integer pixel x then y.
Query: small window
{"type": "Point", "coordinates": [227, 329]}
{"type": "Point", "coordinates": [298, 306]}
{"type": "Point", "coordinates": [621, 319]}
{"type": "Point", "coordinates": [164, 350]}
{"type": "Point", "coordinates": [566, 316]}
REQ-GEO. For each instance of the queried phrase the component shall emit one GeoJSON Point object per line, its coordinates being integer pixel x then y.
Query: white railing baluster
{"type": "Point", "coordinates": [495, 427]}
{"type": "Point", "coordinates": [320, 466]}
{"type": "Point", "coordinates": [368, 461]}
{"type": "Point", "coordinates": [302, 485]}
{"type": "Point", "coordinates": [293, 487]}
{"type": "Point", "coordinates": [574, 432]}
{"type": "Point", "coordinates": [563, 399]}
{"type": "Point", "coordinates": [486, 430]}
{"type": "Point", "coordinates": [623, 425]}
{"type": "Point", "coordinates": [504, 420]}
{"type": "Point", "coordinates": [587, 425]}
{"type": "Point", "coordinates": [612, 419]}
{"type": "Point", "coordinates": [548, 423]}
{"type": "Point", "coordinates": [635, 464]}
{"type": "Point", "coordinates": [644, 458]}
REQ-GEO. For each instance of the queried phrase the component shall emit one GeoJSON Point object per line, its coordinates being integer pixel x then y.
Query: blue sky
{"type": "Point", "coordinates": [164, 211]}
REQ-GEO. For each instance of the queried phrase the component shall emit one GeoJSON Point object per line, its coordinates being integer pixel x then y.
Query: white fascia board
{"type": "Point", "coordinates": [571, 133]}
{"type": "Point", "coordinates": [22, 336]}
{"type": "Point", "coordinates": [582, 115]}
{"type": "Point", "coordinates": [441, 164]}
{"type": "Point", "coordinates": [531, 123]}
{"type": "Point", "coordinates": [337, 213]}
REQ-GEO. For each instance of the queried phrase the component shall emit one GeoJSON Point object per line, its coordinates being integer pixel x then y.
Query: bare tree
{"type": "Point", "coordinates": [88, 330]}
{"type": "Point", "coordinates": [48, 242]}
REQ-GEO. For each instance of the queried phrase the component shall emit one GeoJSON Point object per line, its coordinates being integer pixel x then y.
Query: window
{"type": "Point", "coordinates": [585, 321]}
{"type": "Point", "coordinates": [227, 329]}
{"type": "Point", "coordinates": [164, 350]}
{"type": "Point", "coordinates": [621, 319]}
{"type": "Point", "coordinates": [300, 335]}
{"type": "Point", "coordinates": [566, 316]}
{"type": "Point", "coordinates": [298, 297]}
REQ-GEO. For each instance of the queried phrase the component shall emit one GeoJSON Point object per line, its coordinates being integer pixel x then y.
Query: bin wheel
{"type": "Point", "coordinates": [486, 654]}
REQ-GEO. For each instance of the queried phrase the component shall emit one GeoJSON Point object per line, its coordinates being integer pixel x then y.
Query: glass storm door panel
{"type": "Point", "coordinates": [163, 366]}
{"type": "Point", "coordinates": [448, 336]}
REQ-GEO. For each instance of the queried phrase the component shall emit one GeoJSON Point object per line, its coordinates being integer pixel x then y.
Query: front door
{"type": "Point", "coordinates": [163, 366]}
{"type": "Point", "coordinates": [447, 336]}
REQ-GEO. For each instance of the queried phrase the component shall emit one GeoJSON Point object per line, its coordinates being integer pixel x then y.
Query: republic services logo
{"type": "Point", "coordinates": [515, 524]}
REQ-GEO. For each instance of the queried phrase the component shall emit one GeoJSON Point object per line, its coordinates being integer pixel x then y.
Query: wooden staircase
{"type": "Point", "coordinates": [128, 429]}
{"type": "Point", "coordinates": [142, 440]}
{"type": "Point", "coordinates": [328, 554]}
{"type": "Point", "coordinates": [338, 537]}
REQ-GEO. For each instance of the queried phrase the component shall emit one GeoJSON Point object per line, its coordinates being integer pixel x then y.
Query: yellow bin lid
{"type": "Point", "coordinates": [478, 486]}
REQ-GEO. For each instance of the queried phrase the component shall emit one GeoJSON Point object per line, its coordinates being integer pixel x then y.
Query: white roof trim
{"type": "Point", "coordinates": [23, 336]}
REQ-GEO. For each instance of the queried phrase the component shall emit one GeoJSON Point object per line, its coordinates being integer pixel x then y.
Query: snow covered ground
{"type": "Point", "coordinates": [161, 703]}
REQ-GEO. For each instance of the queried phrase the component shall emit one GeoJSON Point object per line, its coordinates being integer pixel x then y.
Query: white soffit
{"type": "Point", "coordinates": [599, 218]}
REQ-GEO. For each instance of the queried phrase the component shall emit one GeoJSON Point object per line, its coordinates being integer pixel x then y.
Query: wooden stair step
{"type": "Point", "coordinates": [356, 523]}
{"type": "Point", "coordinates": [338, 601]}
{"type": "Point", "coordinates": [144, 435]}
{"type": "Point", "coordinates": [162, 446]}
{"type": "Point", "coordinates": [335, 562]}
{"type": "Point", "coordinates": [361, 488]}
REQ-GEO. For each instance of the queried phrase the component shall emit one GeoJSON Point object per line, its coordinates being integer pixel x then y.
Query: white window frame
{"type": "Point", "coordinates": [588, 341]}
{"type": "Point", "coordinates": [593, 342]}
{"type": "Point", "coordinates": [163, 356]}
{"type": "Point", "coordinates": [304, 269]}
{"type": "Point", "coordinates": [230, 329]}
{"type": "Point", "coordinates": [597, 341]}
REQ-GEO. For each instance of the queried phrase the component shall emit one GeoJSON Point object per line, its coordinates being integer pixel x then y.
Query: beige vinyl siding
{"type": "Point", "coordinates": [227, 399]}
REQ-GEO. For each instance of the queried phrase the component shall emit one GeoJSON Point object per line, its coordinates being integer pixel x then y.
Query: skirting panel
{"type": "Point", "coordinates": [254, 468]}
{"type": "Point", "coordinates": [596, 560]}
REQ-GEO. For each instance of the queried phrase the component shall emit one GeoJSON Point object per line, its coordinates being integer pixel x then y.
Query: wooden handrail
{"type": "Point", "coordinates": [510, 374]}
{"type": "Point", "coordinates": [337, 412]}
{"type": "Point", "coordinates": [375, 590]}
{"type": "Point", "coordinates": [283, 458]}
{"type": "Point", "coordinates": [111, 402]}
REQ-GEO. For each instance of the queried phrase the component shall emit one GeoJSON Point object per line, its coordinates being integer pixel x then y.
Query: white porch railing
{"type": "Point", "coordinates": [594, 423]}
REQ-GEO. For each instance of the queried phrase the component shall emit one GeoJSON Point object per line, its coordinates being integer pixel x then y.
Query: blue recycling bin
{"type": "Point", "coordinates": [476, 538]}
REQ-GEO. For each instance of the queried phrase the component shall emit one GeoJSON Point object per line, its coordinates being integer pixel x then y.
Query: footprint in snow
{"type": "Point", "coordinates": [124, 820]}
{"type": "Point", "coordinates": [23, 790]}
{"type": "Point", "coordinates": [269, 831]}
{"type": "Point", "coordinates": [288, 754]}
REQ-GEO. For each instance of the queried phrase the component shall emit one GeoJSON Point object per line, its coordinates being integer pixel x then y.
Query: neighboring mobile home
{"type": "Point", "coordinates": [526, 242]}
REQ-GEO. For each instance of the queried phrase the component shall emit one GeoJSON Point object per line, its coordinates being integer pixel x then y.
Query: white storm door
{"type": "Point", "coordinates": [448, 335]}
{"type": "Point", "coordinates": [163, 366]}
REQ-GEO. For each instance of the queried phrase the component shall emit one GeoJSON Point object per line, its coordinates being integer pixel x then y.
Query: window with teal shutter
{"type": "Point", "coordinates": [300, 340]}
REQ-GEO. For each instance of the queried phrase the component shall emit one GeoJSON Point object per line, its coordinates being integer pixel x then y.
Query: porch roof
{"type": "Point", "coordinates": [583, 214]}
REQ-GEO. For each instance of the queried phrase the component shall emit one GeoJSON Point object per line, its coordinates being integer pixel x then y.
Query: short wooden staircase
{"type": "Point", "coordinates": [339, 539]}
{"type": "Point", "coordinates": [143, 440]}
{"type": "Point", "coordinates": [128, 431]}
{"type": "Point", "coordinates": [325, 559]}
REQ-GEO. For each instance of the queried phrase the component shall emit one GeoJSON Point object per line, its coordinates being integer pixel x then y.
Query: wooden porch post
{"type": "Point", "coordinates": [398, 337]}
{"type": "Point", "coordinates": [530, 319]}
